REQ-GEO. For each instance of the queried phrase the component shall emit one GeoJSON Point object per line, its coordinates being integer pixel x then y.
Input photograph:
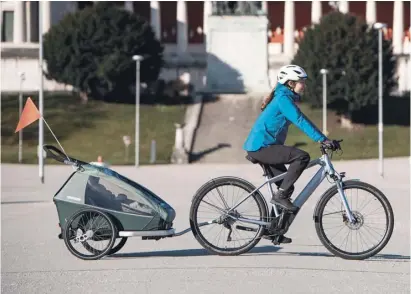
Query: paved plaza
{"type": "Point", "coordinates": [34, 260]}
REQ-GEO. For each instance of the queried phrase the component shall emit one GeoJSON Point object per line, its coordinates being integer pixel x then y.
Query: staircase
{"type": "Point", "coordinates": [223, 127]}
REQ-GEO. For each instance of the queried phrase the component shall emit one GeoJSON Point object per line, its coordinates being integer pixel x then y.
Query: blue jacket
{"type": "Point", "coordinates": [271, 126]}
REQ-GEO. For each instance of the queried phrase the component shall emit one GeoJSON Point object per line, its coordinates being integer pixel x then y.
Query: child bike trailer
{"type": "Point", "coordinates": [97, 206]}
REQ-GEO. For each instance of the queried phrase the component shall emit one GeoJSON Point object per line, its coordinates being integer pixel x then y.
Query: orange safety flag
{"type": "Point", "coordinates": [29, 115]}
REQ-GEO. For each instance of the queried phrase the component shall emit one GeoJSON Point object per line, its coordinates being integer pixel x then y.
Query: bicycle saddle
{"type": "Point", "coordinates": [265, 167]}
{"type": "Point", "coordinates": [253, 160]}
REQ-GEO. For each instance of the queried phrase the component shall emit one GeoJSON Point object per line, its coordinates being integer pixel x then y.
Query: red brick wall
{"type": "Point", "coordinates": [385, 10]}
{"type": "Point", "coordinates": [302, 10]}
{"type": "Point", "coordinates": [358, 8]}
{"type": "Point", "coordinates": [168, 11]}
{"type": "Point", "coordinates": [275, 13]}
{"type": "Point", "coordinates": [195, 19]}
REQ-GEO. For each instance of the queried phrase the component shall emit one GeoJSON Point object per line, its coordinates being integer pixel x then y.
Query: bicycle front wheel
{"type": "Point", "coordinates": [373, 226]}
{"type": "Point", "coordinates": [221, 232]}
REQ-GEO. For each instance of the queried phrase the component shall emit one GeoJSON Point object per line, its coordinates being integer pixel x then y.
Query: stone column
{"type": "Point", "coordinates": [343, 6]}
{"type": "Point", "coordinates": [289, 26]}
{"type": "Point", "coordinates": [28, 21]}
{"type": "Point", "coordinates": [18, 23]}
{"type": "Point", "coordinates": [264, 7]}
{"type": "Point", "coordinates": [46, 21]}
{"type": "Point", "coordinates": [207, 10]}
{"type": "Point", "coordinates": [182, 35]}
{"type": "Point", "coordinates": [398, 27]}
{"type": "Point", "coordinates": [128, 5]}
{"type": "Point", "coordinates": [155, 20]}
{"type": "Point", "coordinates": [371, 12]}
{"type": "Point", "coordinates": [316, 11]}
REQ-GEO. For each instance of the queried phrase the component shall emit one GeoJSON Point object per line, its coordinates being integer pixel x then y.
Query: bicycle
{"type": "Point", "coordinates": [279, 221]}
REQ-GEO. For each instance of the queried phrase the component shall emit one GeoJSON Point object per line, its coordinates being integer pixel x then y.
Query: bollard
{"type": "Point", "coordinates": [127, 142]}
{"type": "Point", "coordinates": [153, 152]}
{"type": "Point", "coordinates": [179, 140]}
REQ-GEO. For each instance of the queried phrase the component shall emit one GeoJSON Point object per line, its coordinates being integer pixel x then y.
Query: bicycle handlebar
{"type": "Point", "coordinates": [324, 147]}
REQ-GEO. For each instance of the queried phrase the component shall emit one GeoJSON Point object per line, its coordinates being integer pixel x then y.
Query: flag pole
{"type": "Point", "coordinates": [41, 130]}
{"type": "Point", "coordinates": [68, 158]}
{"type": "Point", "coordinates": [29, 115]}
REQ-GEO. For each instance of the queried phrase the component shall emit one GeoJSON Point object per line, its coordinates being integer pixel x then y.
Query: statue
{"type": "Point", "coordinates": [236, 7]}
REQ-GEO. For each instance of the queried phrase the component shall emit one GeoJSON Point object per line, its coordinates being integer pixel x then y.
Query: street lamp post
{"type": "Point", "coordinates": [137, 59]}
{"type": "Point", "coordinates": [41, 127]}
{"type": "Point", "coordinates": [379, 26]}
{"type": "Point", "coordinates": [22, 78]}
{"type": "Point", "coordinates": [324, 72]}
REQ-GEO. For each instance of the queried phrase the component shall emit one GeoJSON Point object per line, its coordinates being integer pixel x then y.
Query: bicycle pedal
{"type": "Point", "coordinates": [280, 239]}
{"type": "Point", "coordinates": [276, 242]}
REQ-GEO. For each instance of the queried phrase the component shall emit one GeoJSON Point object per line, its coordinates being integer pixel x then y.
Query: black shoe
{"type": "Point", "coordinates": [281, 239]}
{"type": "Point", "coordinates": [285, 240]}
{"type": "Point", "coordinates": [281, 198]}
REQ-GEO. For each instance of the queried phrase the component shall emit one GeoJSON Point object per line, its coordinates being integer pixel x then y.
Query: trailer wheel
{"type": "Point", "coordinates": [88, 229]}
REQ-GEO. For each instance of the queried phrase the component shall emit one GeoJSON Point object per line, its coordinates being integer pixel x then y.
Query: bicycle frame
{"type": "Point", "coordinates": [326, 168]}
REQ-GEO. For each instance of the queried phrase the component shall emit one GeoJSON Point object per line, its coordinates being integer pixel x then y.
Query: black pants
{"type": "Point", "coordinates": [278, 155]}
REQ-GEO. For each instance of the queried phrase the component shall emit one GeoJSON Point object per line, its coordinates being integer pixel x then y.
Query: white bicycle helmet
{"type": "Point", "coordinates": [291, 73]}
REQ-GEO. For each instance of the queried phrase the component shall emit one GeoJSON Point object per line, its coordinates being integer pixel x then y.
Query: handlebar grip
{"type": "Point", "coordinates": [55, 153]}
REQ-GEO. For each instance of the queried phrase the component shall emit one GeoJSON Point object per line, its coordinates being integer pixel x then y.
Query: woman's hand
{"type": "Point", "coordinates": [332, 144]}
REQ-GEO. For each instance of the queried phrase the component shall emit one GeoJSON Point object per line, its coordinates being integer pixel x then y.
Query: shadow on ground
{"type": "Point", "coordinates": [188, 252]}
{"type": "Point", "coordinates": [195, 156]}
{"type": "Point", "coordinates": [261, 250]}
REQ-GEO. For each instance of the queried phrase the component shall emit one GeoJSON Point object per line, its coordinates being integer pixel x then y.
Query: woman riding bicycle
{"type": "Point", "coordinates": [265, 142]}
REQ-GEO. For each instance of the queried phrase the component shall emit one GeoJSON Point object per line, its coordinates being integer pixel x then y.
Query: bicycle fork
{"type": "Point", "coordinates": [347, 208]}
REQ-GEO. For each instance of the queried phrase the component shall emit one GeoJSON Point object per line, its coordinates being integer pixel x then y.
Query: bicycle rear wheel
{"type": "Point", "coordinates": [370, 224]}
{"type": "Point", "coordinates": [213, 197]}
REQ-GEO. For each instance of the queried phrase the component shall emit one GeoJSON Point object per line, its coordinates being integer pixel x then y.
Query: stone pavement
{"type": "Point", "coordinates": [35, 261]}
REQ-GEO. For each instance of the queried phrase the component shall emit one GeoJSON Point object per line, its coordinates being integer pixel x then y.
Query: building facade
{"type": "Point", "coordinates": [182, 26]}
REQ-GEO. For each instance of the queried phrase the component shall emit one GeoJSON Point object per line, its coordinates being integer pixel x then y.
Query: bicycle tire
{"type": "Point", "coordinates": [118, 247]}
{"type": "Point", "coordinates": [352, 184]}
{"type": "Point", "coordinates": [261, 203]}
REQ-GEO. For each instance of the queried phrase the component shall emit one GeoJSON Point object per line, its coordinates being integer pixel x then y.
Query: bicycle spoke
{"type": "Point", "coordinates": [216, 202]}
{"type": "Point", "coordinates": [363, 235]}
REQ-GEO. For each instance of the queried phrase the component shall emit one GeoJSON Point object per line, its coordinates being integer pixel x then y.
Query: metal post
{"type": "Point", "coordinates": [379, 27]}
{"type": "Point", "coordinates": [41, 129]}
{"type": "Point", "coordinates": [153, 151]}
{"type": "Point", "coordinates": [137, 58]}
{"type": "Point", "coordinates": [380, 118]}
{"type": "Point", "coordinates": [22, 78]}
{"type": "Point", "coordinates": [324, 73]}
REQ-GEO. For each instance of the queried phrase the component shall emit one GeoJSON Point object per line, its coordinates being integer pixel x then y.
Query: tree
{"type": "Point", "coordinates": [92, 50]}
{"type": "Point", "coordinates": [343, 43]}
